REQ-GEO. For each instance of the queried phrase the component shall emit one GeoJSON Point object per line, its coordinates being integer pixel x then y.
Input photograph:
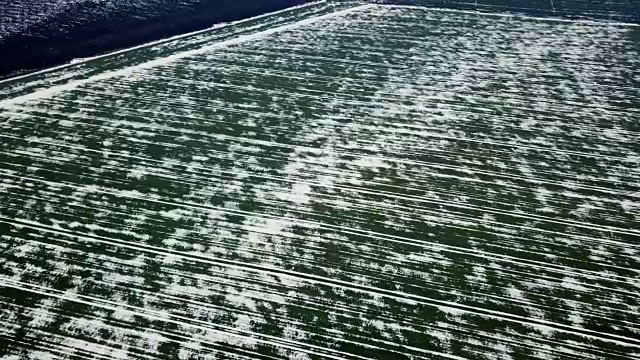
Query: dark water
{"type": "Point", "coordinates": [35, 34]}
{"type": "Point", "coordinates": [41, 33]}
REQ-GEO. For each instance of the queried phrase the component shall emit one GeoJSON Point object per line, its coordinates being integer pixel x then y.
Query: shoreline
{"type": "Point", "coordinates": [33, 52]}
{"type": "Point", "coordinates": [47, 45]}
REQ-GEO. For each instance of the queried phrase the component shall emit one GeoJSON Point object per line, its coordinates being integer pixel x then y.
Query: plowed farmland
{"type": "Point", "coordinates": [334, 181]}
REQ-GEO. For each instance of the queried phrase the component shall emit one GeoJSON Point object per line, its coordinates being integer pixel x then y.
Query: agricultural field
{"type": "Point", "coordinates": [335, 181]}
{"type": "Point", "coordinates": [38, 34]}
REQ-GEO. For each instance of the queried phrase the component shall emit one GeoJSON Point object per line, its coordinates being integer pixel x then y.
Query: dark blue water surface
{"type": "Point", "coordinates": [35, 34]}
{"type": "Point", "coordinates": [39, 33]}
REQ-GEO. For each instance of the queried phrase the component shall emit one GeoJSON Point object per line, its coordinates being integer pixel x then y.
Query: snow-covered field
{"type": "Point", "coordinates": [338, 181]}
{"type": "Point", "coordinates": [36, 34]}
